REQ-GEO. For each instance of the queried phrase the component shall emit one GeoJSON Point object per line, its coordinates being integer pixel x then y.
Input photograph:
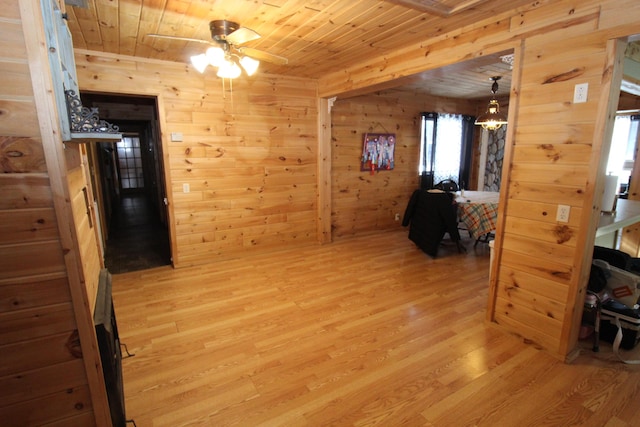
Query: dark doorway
{"type": "Point", "coordinates": [128, 180]}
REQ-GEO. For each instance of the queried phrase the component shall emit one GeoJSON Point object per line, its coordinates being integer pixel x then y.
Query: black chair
{"type": "Point", "coordinates": [430, 215]}
{"type": "Point", "coordinates": [447, 185]}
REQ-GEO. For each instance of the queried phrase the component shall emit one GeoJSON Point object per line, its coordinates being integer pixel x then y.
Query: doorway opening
{"type": "Point", "coordinates": [128, 180]}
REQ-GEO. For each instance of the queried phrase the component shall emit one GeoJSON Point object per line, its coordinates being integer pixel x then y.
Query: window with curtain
{"type": "Point", "coordinates": [445, 148]}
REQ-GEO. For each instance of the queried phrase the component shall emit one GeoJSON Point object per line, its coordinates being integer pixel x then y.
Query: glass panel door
{"type": "Point", "coordinates": [130, 162]}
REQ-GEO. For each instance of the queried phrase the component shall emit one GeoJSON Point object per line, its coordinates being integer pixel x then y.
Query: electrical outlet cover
{"type": "Point", "coordinates": [580, 93]}
{"type": "Point", "coordinates": [563, 213]}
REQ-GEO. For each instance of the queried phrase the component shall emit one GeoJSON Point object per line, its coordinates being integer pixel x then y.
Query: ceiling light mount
{"type": "Point", "coordinates": [492, 119]}
{"type": "Point", "coordinates": [221, 28]}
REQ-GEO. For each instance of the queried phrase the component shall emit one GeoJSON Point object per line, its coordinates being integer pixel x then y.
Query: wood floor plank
{"type": "Point", "coordinates": [364, 331]}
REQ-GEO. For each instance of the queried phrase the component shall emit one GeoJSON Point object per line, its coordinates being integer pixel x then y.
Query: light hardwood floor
{"type": "Point", "coordinates": [363, 331]}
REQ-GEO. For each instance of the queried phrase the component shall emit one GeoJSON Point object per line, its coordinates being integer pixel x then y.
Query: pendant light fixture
{"type": "Point", "coordinates": [492, 119]}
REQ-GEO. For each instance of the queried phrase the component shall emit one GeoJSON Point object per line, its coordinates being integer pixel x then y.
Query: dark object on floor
{"type": "Point", "coordinates": [608, 329]}
{"type": "Point", "coordinates": [616, 321]}
{"type": "Point", "coordinates": [430, 216]}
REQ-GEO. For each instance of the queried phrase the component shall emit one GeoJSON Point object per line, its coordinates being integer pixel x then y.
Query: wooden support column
{"type": "Point", "coordinates": [324, 170]}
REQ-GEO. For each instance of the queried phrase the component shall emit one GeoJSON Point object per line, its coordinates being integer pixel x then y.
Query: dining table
{"type": "Point", "coordinates": [478, 212]}
{"type": "Point", "coordinates": [610, 225]}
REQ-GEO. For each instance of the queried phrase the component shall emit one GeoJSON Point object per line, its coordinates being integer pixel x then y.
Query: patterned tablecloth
{"type": "Point", "coordinates": [478, 211]}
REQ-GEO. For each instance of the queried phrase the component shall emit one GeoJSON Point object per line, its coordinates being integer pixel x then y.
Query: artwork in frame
{"type": "Point", "coordinates": [378, 151]}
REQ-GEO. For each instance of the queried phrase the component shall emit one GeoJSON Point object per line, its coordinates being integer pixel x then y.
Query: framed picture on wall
{"type": "Point", "coordinates": [377, 151]}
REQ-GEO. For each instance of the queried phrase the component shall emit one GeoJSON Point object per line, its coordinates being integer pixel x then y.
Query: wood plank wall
{"type": "Point", "coordinates": [249, 154]}
{"type": "Point", "coordinates": [554, 149]}
{"type": "Point", "coordinates": [251, 161]}
{"type": "Point", "coordinates": [362, 201]}
{"type": "Point", "coordinates": [42, 373]}
{"type": "Point", "coordinates": [84, 219]}
{"type": "Point", "coordinates": [543, 263]}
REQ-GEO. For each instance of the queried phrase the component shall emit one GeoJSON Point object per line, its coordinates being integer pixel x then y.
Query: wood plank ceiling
{"type": "Point", "coordinates": [316, 37]}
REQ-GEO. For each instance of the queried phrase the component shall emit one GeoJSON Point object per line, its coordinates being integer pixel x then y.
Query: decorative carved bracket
{"type": "Point", "coordinates": [86, 120]}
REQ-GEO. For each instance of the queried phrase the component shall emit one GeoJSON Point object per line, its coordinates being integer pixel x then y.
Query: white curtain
{"type": "Point", "coordinates": [448, 147]}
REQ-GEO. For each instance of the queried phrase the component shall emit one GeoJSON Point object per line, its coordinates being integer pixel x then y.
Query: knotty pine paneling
{"type": "Point", "coordinates": [18, 118]}
{"type": "Point", "coordinates": [25, 293]}
{"type": "Point", "coordinates": [549, 167]}
{"type": "Point", "coordinates": [541, 212]}
{"type": "Point", "coordinates": [552, 151]}
{"type": "Point", "coordinates": [25, 191]}
{"type": "Point", "coordinates": [563, 44]}
{"type": "Point", "coordinates": [365, 202]}
{"type": "Point", "coordinates": [26, 355]}
{"type": "Point", "coordinates": [12, 43]}
{"type": "Point", "coordinates": [249, 153]}
{"type": "Point", "coordinates": [82, 209]}
{"type": "Point", "coordinates": [41, 364]}
{"type": "Point", "coordinates": [554, 16]}
{"type": "Point", "coordinates": [14, 79]}
{"type": "Point", "coordinates": [21, 155]}
{"type": "Point", "coordinates": [27, 259]}
{"type": "Point", "coordinates": [532, 283]}
{"type": "Point", "coordinates": [40, 322]}
{"type": "Point", "coordinates": [530, 263]}
{"type": "Point", "coordinates": [10, 9]}
{"type": "Point", "coordinates": [28, 225]}
{"type": "Point", "coordinates": [47, 380]}
{"type": "Point", "coordinates": [69, 407]}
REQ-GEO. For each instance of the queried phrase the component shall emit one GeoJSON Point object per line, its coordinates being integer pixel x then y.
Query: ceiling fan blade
{"type": "Point", "coordinates": [241, 36]}
{"type": "Point", "coordinates": [263, 56]}
{"type": "Point", "coordinates": [186, 39]}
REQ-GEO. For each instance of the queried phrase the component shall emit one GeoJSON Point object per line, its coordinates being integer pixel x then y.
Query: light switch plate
{"type": "Point", "coordinates": [176, 136]}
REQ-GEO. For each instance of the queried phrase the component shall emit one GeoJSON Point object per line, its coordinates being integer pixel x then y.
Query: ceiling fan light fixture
{"type": "Point", "coordinates": [200, 62]}
{"type": "Point", "coordinates": [228, 38]}
{"type": "Point", "coordinates": [492, 119]}
{"type": "Point", "coordinates": [229, 70]}
{"type": "Point", "coordinates": [250, 65]}
{"type": "Point", "coordinates": [215, 56]}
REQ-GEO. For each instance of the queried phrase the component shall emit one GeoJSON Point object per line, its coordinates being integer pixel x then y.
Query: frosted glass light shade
{"type": "Point", "coordinates": [250, 65]}
{"type": "Point", "coordinates": [215, 55]}
{"type": "Point", "coordinates": [229, 70]}
{"type": "Point", "coordinates": [200, 62]}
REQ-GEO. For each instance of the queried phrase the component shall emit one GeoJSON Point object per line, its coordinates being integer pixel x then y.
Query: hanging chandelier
{"type": "Point", "coordinates": [229, 65]}
{"type": "Point", "coordinates": [492, 119]}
